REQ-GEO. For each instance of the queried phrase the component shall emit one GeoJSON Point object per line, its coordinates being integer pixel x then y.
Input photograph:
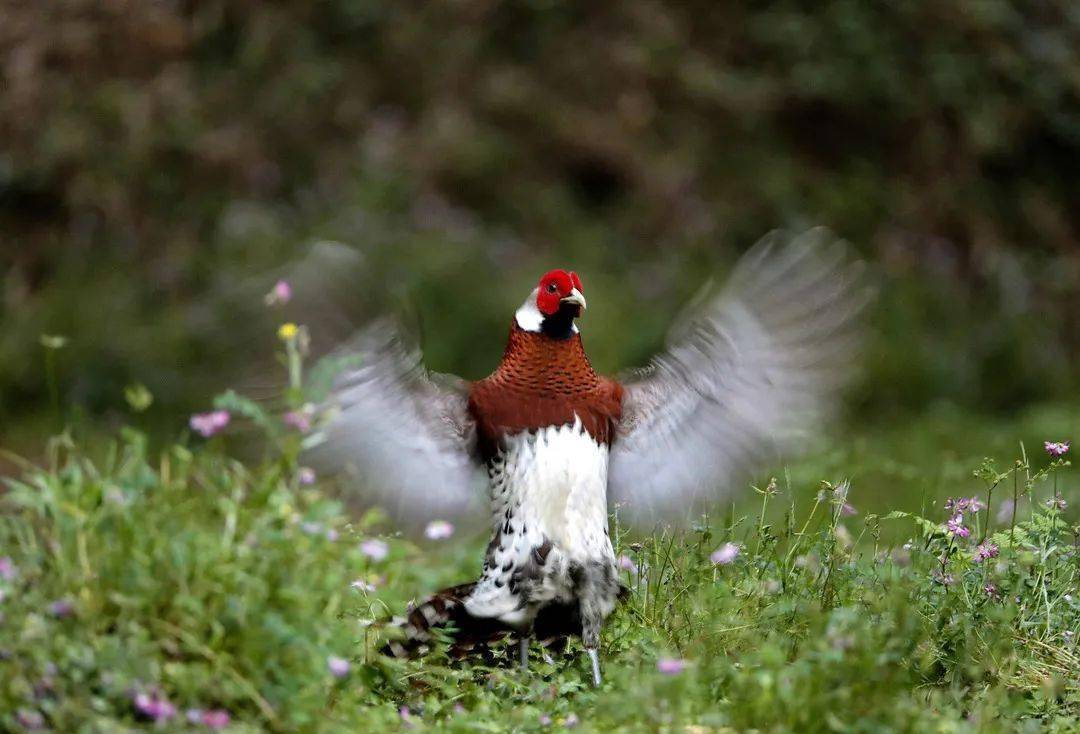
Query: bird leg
{"type": "Point", "coordinates": [523, 651]}
{"type": "Point", "coordinates": [594, 657]}
{"type": "Point", "coordinates": [597, 591]}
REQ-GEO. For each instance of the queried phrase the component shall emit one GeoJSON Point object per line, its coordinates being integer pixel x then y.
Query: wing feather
{"type": "Point", "coordinates": [746, 376]}
{"type": "Point", "coordinates": [400, 436]}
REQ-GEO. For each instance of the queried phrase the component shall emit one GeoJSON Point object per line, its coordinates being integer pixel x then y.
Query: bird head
{"type": "Point", "coordinates": [553, 305]}
{"type": "Point", "coordinates": [560, 290]}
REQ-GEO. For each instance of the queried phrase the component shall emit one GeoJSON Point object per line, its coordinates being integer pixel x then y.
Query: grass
{"type": "Point", "coordinates": [217, 585]}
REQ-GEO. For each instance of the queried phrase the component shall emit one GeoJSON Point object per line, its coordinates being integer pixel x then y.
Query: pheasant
{"type": "Point", "coordinates": [552, 445]}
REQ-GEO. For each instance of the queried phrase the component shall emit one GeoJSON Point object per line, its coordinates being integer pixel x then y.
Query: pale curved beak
{"type": "Point", "coordinates": [575, 297]}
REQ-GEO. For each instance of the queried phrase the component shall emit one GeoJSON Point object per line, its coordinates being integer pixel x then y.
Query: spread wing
{"type": "Point", "coordinates": [399, 436]}
{"type": "Point", "coordinates": [749, 374]}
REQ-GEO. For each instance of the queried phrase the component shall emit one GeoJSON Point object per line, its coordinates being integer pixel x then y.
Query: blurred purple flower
{"type": "Point", "coordinates": [438, 530]}
{"type": "Point", "coordinates": [725, 554]}
{"type": "Point", "coordinates": [1057, 503]}
{"type": "Point", "coordinates": [332, 535]}
{"type": "Point", "coordinates": [211, 718]}
{"type": "Point", "coordinates": [992, 591]}
{"type": "Point", "coordinates": [375, 549]}
{"type": "Point", "coordinates": [626, 563]}
{"type": "Point", "coordinates": [545, 720]}
{"type": "Point", "coordinates": [216, 718]}
{"type": "Point", "coordinates": [298, 419]}
{"type": "Point", "coordinates": [985, 552]}
{"type": "Point", "coordinates": [305, 475]}
{"type": "Point", "coordinates": [280, 294]}
{"type": "Point", "coordinates": [30, 719]}
{"type": "Point", "coordinates": [338, 667]}
{"type": "Point", "coordinates": [963, 504]}
{"type": "Point", "coordinates": [154, 706]}
{"type": "Point", "coordinates": [406, 716]}
{"type": "Point", "coordinates": [311, 527]}
{"type": "Point", "coordinates": [8, 571]}
{"type": "Point", "coordinates": [671, 666]}
{"type": "Point", "coordinates": [1057, 448]}
{"type": "Point", "coordinates": [571, 721]}
{"type": "Point", "coordinates": [61, 608]}
{"type": "Point", "coordinates": [207, 424]}
{"type": "Point", "coordinates": [955, 527]}
{"type": "Point", "coordinates": [848, 509]}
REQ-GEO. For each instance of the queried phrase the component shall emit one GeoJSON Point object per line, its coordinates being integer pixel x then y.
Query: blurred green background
{"type": "Point", "coordinates": [161, 163]}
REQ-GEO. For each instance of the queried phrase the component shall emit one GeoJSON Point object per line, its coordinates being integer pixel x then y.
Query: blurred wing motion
{"type": "Point", "coordinates": [748, 374]}
{"type": "Point", "coordinates": [400, 436]}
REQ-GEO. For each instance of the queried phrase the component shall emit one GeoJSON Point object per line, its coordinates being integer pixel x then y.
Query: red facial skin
{"type": "Point", "coordinates": [555, 286]}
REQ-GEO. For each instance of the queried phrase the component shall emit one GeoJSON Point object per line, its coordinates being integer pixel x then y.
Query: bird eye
{"type": "Point", "coordinates": [552, 288]}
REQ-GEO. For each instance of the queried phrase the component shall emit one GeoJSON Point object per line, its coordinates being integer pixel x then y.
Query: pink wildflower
{"type": "Point", "coordinates": [305, 475]}
{"type": "Point", "coordinates": [626, 563]}
{"type": "Point", "coordinates": [438, 530]}
{"type": "Point", "coordinates": [298, 419]}
{"type": "Point", "coordinates": [725, 554]}
{"type": "Point", "coordinates": [375, 549]}
{"type": "Point", "coordinates": [406, 717]}
{"type": "Point", "coordinates": [671, 666]}
{"type": "Point", "coordinates": [207, 424]}
{"type": "Point", "coordinates": [955, 527]}
{"type": "Point", "coordinates": [571, 721]}
{"type": "Point", "coordinates": [338, 667]}
{"type": "Point", "coordinates": [992, 591]}
{"type": "Point", "coordinates": [61, 608]}
{"type": "Point", "coordinates": [211, 718]}
{"type": "Point", "coordinates": [1057, 503]}
{"type": "Point", "coordinates": [1057, 449]}
{"type": "Point", "coordinates": [7, 569]}
{"type": "Point", "coordinates": [985, 552]}
{"type": "Point", "coordinates": [280, 294]}
{"type": "Point", "coordinates": [154, 706]}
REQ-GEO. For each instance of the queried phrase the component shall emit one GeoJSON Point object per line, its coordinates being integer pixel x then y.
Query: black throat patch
{"type": "Point", "coordinates": [560, 325]}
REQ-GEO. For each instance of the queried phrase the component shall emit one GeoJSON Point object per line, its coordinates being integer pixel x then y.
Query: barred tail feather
{"type": "Point", "coordinates": [445, 610]}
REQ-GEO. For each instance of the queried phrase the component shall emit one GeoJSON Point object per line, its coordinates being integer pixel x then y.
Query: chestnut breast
{"type": "Point", "coordinates": [540, 382]}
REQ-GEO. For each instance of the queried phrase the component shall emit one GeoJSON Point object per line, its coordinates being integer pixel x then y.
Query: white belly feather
{"type": "Point", "coordinates": [547, 485]}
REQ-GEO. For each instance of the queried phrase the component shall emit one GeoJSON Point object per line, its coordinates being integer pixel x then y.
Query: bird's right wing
{"type": "Point", "coordinates": [399, 437]}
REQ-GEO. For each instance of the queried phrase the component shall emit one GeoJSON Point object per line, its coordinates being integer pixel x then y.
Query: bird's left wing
{"type": "Point", "coordinates": [399, 436]}
{"type": "Point", "coordinates": [752, 372]}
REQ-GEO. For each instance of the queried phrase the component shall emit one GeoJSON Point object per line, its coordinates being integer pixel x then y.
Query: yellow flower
{"type": "Point", "coordinates": [287, 332]}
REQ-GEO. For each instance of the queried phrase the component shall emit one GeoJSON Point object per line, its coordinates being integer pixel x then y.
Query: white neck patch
{"type": "Point", "coordinates": [528, 316]}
